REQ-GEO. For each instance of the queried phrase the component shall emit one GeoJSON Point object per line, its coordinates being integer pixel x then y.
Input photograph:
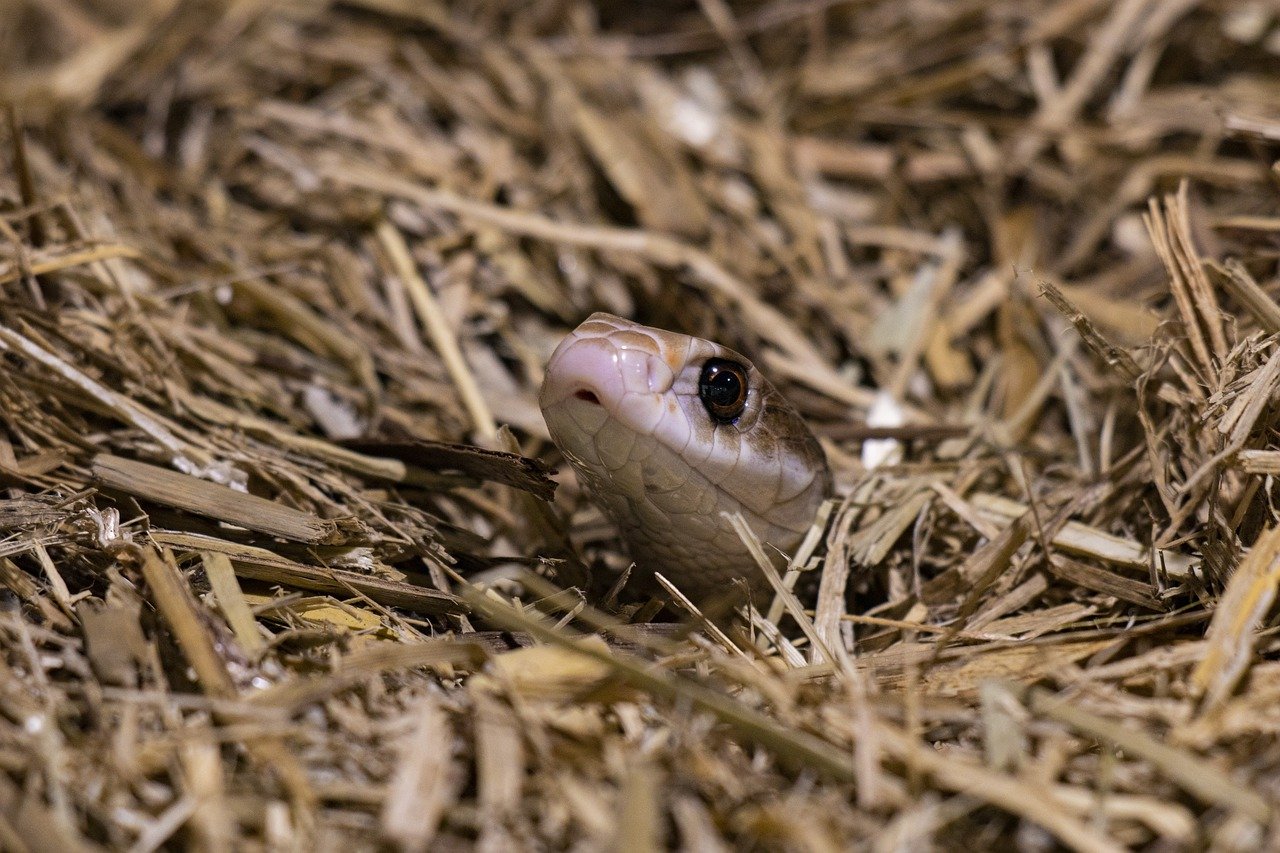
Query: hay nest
{"type": "Point", "coordinates": [280, 570]}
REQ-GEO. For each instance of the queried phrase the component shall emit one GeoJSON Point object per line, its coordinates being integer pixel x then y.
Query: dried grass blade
{"type": "Point", "coordinates": [1249, 595]}
{"type": "Point", "coordinates": [982, 569]}
{"type": "Point", "coordinates": [792, 746]}
{"type": "Point", "coordinates": [172, 597]}
{"type": "Point", "coordinates": [1197, 776]}
{"type": "Point", "coordinates": [290, 697]}
{"type": "Point", "coordinates": [1115, 357]}
{"type": "Point", "coordinates": [1239, 421]}
{"type": "Point", "coordinates": [263, 565]}
{"type": "Point", "coordinates": [438, 330]}
{"type": "Point", "coordinates": [231, 601]}
{"type": "Point", "coordinates": [821, 648]}
{"type": "Point", "coordinates": [1089, 541]}
{"type": "Point", "coordinates": [212, 500]}
{"type": "Point", "coordinates": [1014, 795]}
{"type": "Point", "coordinates": [1240, 284]}
{"type": "Point", "coordinates": [500, 764]}
{"type": "Point", "coordinates": [1103, 581]}
{"type": "Point", "coordinates": [1159, 227]}
{"type": "Point", "coordinates": [422, 785]}
{"type": "Point", "coordinates": [71, 259]}
{"type": "Point", "coordinates": [640, 818]}
{"type": "Point", "coordinates": [27, 824]}
{"type": "Point", "coordinates": [1206, 301]}
{"type": "Point", "coordinates": [185, 457]}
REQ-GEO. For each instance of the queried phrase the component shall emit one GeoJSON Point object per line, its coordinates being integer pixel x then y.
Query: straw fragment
{"type": "Point", "coordinates": [1232, 633]}
{"type": "Point", "coordinates": [291, 261]}
{"type": "Point", "coordinates": [437, 327]}
{"type": "Point", "coordinates": [211, 500]}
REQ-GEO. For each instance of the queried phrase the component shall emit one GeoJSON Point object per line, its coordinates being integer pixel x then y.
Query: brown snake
{"type": "Point", "coordinates": [667, 433]}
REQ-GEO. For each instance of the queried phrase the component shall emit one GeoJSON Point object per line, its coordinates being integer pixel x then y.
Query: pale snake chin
{"type": "Point", "coordinates": [666, 433]}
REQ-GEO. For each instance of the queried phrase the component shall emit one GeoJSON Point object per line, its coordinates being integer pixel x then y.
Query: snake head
{"type": "Point", "coordinates": [666, 433]}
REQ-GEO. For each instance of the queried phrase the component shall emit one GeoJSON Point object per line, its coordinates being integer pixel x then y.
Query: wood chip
{"type": "Point", "coordinates": [212, 500]}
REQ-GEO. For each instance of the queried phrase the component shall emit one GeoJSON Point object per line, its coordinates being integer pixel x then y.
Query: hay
{"type": "Point", "coordinates": [278, 564]}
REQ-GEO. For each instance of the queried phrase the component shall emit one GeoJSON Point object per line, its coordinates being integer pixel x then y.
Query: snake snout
{"type": "Point", "coordinates": [597, 371]}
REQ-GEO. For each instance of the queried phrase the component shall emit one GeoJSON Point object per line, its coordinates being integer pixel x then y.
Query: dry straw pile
{"type": "Point", "coordinates": [275, 275]}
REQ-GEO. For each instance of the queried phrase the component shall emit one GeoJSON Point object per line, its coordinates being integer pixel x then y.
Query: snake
{"type": "Point", "coordinates": [670, 435]}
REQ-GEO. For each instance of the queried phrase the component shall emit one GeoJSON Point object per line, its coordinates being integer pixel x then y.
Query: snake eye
{"type": "Point", "coordinates": [723, 389]}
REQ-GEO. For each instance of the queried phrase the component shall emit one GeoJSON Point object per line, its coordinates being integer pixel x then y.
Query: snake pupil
{"type": "Point", "coordinates": [723, 389]}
